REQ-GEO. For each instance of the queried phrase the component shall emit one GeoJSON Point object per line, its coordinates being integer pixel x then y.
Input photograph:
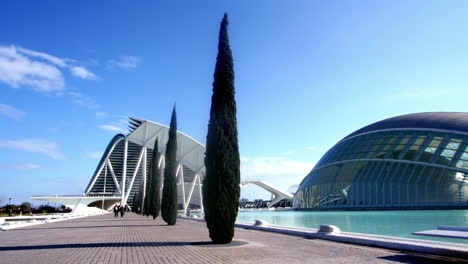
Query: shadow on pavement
{"type": "Point", "coordinates": [412, 259]}
{"type": "Point", "coordinates": [121, 245]}
{"type": "Point", "coordinates": [78, 227]}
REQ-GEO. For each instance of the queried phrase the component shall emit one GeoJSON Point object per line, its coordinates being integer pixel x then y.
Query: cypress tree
{"type": "Point", "coordinates": [169, 195]}
{"type": "Point", "coordinates": [221, 188]}
{"type": "Point", "coordinates": [135, 201]}
{"type": "Point", "coordinates": [139, 200]}
{"type": "Point", "coordinates": [148, 192]}
{"type": "Point", "coordinates": [155, 184]}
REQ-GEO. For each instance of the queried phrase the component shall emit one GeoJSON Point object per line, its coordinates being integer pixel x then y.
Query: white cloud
{"type": "Point", "coordinates": [94, 155]}
{"type": "Point", "coordinates": [315, 148]}
{"type": "Point", "coordinates": [113, 128]}
{"type": "Point", "coordinates": [83, 100]}
{"type": "Point", "coordinates": [86, 102]}
{"type": "Point", "coordinates": [123, 121]}
{"type": "Point", "coordinates": [21, 166]}
{"type": "Point", "coordinates": [101, 114]}
{"type": "Point", "coordinates": [75, 94]}
{"type": "Point", "coordinates": [38, 70]}
{"type": "Point", "coordinates": [11, 112]}
{"type": "Point", "coordinates": [279, 171]}
{"type": "Point", "coordinates": [36, 145]}
{"type": "Point", "coordinates": [83, 73]}
{"type": "Point", "coordinates": [55, 60]}
{"type": "Point", "coordinates": [124, 62]}
{"type": "Point", "coordinates": [17, 70]}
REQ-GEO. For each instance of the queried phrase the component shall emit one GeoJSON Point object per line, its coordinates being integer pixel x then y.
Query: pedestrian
{"type": "Point", "coordinates": [116, 210]}
{"type": "Point", "coordinates": [122, 210]}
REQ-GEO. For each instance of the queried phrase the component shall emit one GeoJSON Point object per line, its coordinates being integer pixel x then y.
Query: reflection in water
{"type": "Point", "coordinates": [389, 223]}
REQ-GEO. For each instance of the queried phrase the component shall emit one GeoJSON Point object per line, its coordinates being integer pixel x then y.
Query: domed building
{"type": "Point", "coordinates": [405, 162]}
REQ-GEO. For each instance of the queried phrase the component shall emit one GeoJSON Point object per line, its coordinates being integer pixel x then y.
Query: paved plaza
{"type": "Point", "coordinates": [138, 239]}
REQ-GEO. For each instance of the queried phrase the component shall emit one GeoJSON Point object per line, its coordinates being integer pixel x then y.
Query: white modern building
{"type": "Point", "coordinates": [120, 173]}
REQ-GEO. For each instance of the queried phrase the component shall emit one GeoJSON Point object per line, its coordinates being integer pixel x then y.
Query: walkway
{"type": "Point", "coordinates": [137, 239]}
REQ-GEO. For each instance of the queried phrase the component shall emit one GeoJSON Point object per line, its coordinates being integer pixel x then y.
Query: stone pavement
{"type": "Point", "coordinates": [138, 239]}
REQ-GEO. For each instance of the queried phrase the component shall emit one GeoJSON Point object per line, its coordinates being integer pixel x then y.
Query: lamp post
{"type": "Point", "coordinates": [9, 201]}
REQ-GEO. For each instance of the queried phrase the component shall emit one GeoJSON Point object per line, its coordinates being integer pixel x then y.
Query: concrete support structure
{"type": "Point", "coordinates": [277, 192]}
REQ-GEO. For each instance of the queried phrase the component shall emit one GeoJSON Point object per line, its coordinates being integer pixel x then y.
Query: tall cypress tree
{"type": "Point", "coordinates": [169, 196]}
{"type": "Point", "coordinates": [136, 201]}
{"type": "Point", "coordinates": [148, 193]}
{"type": "Point", "coordinates": [139, 200]}
{"type": "Point", "coordinates": [221, 188]}
{"type": "Point", "coordinates": [155, 185]}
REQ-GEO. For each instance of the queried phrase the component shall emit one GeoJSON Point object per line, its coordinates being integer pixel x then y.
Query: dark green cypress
{"type": "Point", "coordinates": [169, 196]}
{"type": "Point", "coordinates": [148, 192]}
{"type": "Point", "coordinates": [155, 184]}
{"type": "Point", "coordinates": [139, 200]}
{"type": "Point", "coordinates": [135, 201]}
{"type": "Point", "coordinates": [221, 188]}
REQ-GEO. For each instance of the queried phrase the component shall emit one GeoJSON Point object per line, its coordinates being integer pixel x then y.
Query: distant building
{"type": "Point", "coordinates": [410, 161]}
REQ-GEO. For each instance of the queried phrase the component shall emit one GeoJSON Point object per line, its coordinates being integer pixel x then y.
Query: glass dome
{"type": "Point", "coordinates": [411, 161]}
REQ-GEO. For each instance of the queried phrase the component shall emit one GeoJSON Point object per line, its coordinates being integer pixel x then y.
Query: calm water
{"type": "Point", "coordinates": [389, 223]}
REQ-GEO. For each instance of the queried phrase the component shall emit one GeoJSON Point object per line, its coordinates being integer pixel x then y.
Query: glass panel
{"type": "Point", "coordinates": [462, 164]}
{"type": "Point", "coordinates": [413, 183]}
{"type": "Point", "coordinates": [453, 145]}
{"type": "Point", "coordinates": [394, 184]}
{"type": "Point", "coordinates": [431, 149]}
{"type": "Point", "coordinates": [464, 156]}
{"type": "Point", "coordinates": [405, 190]}
{"type": "Point", "coordinates": [386, 148]}
{"type": "Point", "coordinates": [411, 153]}
{"type": "Point", "coordinates": [403, 183]}
{"type": "Point", "coordinates": [405, 140]}
{"type": "Point", "coordinates": [419, 141]}
{"type": "Point", "coordinates": [376, 174]}
{"type": "Point", "coordinates": [428, 153]}
{"type": "Point", "coordinates": [421, 184]}
{"type": "Point", "coordinates": [435, 142]}
{"type": "Point", "coordinates": [432, 187]}
{"type": "Point", "coordinates": [447, 154]}
{"type": "Point", "coordinates": [388, 171]}
{"type": "Point", "coordinates": [396, 152]}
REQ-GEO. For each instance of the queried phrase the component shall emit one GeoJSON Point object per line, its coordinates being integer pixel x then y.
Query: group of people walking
{"type": "Point", "coordinates": [120, 208]}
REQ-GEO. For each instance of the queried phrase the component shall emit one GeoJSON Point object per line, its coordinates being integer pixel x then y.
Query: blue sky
{"type": "Point", "coordinates": [307, 74]}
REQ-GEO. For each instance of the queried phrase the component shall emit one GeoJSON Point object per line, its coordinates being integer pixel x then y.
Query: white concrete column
{"type": "Point", "coordinates": [145, 177]}
{"type": "Point", "coordinates": [189, 198]}
{"type": "Point", "coordinates": [162, 166]}
{"type": "Point", "coordinates": [181, 177]}
{"type": "Point", "coordinates": [124, 170]}
{"type": "Point", "coordinates": [135, 172]}
{"type": "Point", "coordinates": [201, 195]}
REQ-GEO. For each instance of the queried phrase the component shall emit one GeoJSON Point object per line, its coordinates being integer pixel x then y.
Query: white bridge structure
{"type": "Point", "coordinates": [278, 193]}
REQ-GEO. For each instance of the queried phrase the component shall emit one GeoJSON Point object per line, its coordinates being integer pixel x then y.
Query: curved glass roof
{"type": "Point", "coordinates": [453, 121]}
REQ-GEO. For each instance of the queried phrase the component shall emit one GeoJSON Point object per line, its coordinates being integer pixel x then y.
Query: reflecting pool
{"type": "Point", "coordinates": [389, 223]}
